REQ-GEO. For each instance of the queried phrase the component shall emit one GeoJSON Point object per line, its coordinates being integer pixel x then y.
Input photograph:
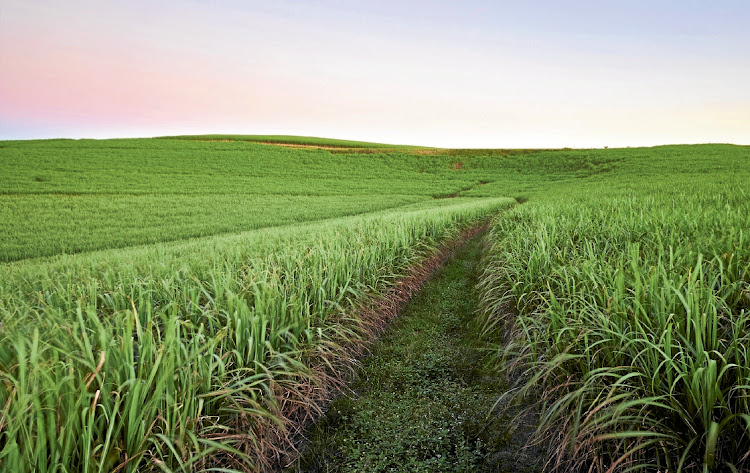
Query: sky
{"type": "Point", "coordinates": [470, 73]}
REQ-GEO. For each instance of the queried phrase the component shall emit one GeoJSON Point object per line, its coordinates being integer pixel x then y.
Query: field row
{"type": "Point", "coordinates": [632, 322]}
{"type": "Point", "coordinates": [179, 356]}
{"type": "Point", "coordinates": [51, 224]}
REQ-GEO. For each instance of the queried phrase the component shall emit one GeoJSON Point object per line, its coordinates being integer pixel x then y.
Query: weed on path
{"type": "Point", "coordinates": [422, 399]}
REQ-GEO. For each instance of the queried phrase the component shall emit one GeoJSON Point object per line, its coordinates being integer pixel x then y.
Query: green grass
{"type": "Point", "coordinates": [422, 400]}
{"type": "Point", "coordinates": [51, 224]}
{"type": "Point", "coordinates": [208, 273]}
{"type": "Point", "coordinates": [174, 356]}
{"type": "Point", "coordinates": [632, 318]}
{"type": "Point", "coordinates": [67, 196]}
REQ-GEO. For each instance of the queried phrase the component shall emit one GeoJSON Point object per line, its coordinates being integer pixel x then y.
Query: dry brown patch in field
{"type": "Point", "coordinates": [429, 151]}
{"type": "Point", "coordinates": [304, 146]}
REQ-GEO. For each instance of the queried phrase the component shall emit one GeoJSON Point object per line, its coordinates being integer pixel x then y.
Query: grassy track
{"type": "Point", "coordinates": [422, 400]}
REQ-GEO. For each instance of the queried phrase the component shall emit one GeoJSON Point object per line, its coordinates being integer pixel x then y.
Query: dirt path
{"type": "Point", "coordinates": [421, 401]}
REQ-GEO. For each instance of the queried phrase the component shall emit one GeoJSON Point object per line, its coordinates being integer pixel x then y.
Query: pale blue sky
{"type": "Point", "coordinates": [470, 73]}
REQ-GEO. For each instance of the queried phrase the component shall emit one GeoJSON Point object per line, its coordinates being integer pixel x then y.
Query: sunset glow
{"type": "Point", "coordinates": [455, 74]}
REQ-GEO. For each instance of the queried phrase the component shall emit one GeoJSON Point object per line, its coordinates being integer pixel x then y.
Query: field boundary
{"type": "Point", "coordinates": [219, 234]}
